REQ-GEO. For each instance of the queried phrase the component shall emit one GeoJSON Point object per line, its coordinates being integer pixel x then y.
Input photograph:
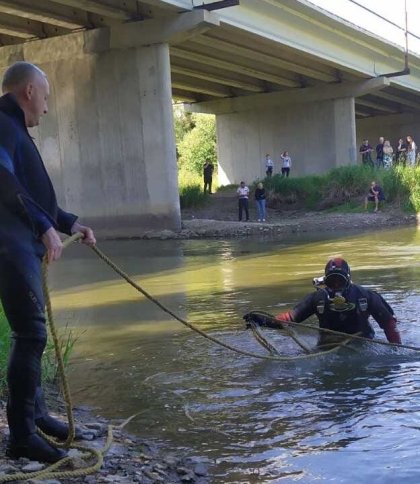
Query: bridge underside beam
{"type": "Point", "coordinates": [291, 97]}
{"type": "Point", "coordinates": [64, 17]}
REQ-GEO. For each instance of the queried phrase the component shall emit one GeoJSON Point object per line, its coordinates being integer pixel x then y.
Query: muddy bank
{"type": "Point", "coordinates": [129, 460]}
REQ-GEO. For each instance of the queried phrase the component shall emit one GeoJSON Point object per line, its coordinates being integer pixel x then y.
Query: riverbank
{"type": "Point", "coordinates": [218, 218]}
{"type": "Point", "coordinates": [129, 460]}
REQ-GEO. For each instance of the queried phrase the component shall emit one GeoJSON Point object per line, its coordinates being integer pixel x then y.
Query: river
{"type": "Point", "coordinates": [345, 418]}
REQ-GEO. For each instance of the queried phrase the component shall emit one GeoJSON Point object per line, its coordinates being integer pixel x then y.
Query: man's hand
{"type": "Point", "coordinates": [53, 244]}
{"type": "Point", "coordinates": [88, 236]}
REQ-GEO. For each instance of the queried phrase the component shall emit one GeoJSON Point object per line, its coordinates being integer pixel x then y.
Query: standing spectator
{"type": "Point", "coordinates": [208, 175]}
{"type": "Point", "coordinates": [366, 150]}
{"type": "Point", "coordinates": [260, 199]}
{"type": "Point", "coordinates": [268, 165]}
{"type": "Point", "coordinates": [375, 194]}
{"type": "Point", "coordinates": [411, 151]}
{"type": "Point", "coordinates": [388, 154]}
{"type": "Point", "coordinates": [287, 163]}
{"type": "Point", "coordinates": [380, 153]}
{"type": "Point", "coordinates": [243, 193]}
{"type": "Point", "coordinates": [401, 152]}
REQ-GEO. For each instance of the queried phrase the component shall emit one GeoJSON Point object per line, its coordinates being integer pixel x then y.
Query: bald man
{"type": "Point", "coordinates": [30, 222]}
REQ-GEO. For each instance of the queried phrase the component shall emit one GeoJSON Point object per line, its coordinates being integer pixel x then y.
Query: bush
{"type": "Point", "coordinates": [190, 189]}
{"type": "Point", "coordinates": [345, 187]}
{"type": "Point", "coordinates": [49, 365]}
{"type": "Point", "coordinates": [198, 145]}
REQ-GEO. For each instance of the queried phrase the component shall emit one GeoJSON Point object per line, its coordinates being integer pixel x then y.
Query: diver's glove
{"type": "Point", "coordinates": [260, 319]}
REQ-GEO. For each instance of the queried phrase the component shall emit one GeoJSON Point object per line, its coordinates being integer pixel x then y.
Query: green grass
{"type": "Point", "coordinates": [191, 189]}
{"type": "Point", "coordinates": [49, 365]}
{"type": "Point", "coordinates": [4, 350]}
{"type": "Point", "coordinates": [344, 189]}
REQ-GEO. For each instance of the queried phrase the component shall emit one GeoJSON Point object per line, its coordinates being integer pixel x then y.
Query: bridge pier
{"type": "Point", "coordinates": [316, 125]}
{"type": "Point", "coordinates": [317, 135]}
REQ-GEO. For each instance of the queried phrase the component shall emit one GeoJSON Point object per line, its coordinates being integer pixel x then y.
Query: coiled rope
{"type": "Point", "coordinates": [51, 472]}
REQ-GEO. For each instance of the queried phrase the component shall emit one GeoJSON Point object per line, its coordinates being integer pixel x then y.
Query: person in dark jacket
{"type": "Point", "coordinates": [380, 153]}
{"type": "Point", "coordinates": [339, 305]}
{"type": "Point", "coordinates": [208, 176]}
{"type": "Point", "coordinates": [375, 194]}
{"type": "Point", "coordinates": [30, 222]}
{"type": "Point", "coordinates": [260, 199]}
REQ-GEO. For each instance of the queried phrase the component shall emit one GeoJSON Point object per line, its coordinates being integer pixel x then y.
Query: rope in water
{"type": "Point", "coordinates": [217, 341]}
{"type": "Point", "coordinates": [136, 286]}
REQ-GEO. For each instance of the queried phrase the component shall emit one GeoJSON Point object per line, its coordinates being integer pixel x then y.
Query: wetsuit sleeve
{"type": "Point", "coordinates": [12, 195]}
{"type": "Point", "coordinates": [65, 221]}
{"type": "Point", "coordinates": [383, 314]}
{"type": "Point", "coordinates": [303, 310]}
{"type": "Point", "coordinates": [41, 222]}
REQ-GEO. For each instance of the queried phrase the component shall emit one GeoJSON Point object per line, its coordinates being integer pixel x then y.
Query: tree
{"type": "Point", "coordinates": [183, 122]}
{"type": "Point", "coordinates": [199, 144]}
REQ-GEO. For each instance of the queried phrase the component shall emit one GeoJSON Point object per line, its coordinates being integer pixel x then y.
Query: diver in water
{"type": "Point", "coordinates": [339, 305]}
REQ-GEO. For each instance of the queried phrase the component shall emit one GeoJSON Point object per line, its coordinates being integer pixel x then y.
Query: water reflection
{"type": "Point", "coordinates": [349, 418]}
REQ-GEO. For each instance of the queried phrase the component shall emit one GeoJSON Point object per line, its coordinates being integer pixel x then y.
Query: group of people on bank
{"type": "Point", "coordinates": [405, 153]}
{"type": "Point", "coordinates": [286, 164]}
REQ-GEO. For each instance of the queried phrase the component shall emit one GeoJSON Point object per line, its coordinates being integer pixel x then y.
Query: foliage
{"type": "Point", "coordinates": [190, 189]}
{"type": "Point", "coordinates": [183, 123]}
{"type": "Point", "coordinates": [4, 350]}
{"type": "Point", "coordinates": [344, 188]}
{"type": "Point", "coordinates": [66, 340]}
{"type": "Point", "coordinates": [199, 144]}
{"type": "Point", "coordinates": [49, 365]}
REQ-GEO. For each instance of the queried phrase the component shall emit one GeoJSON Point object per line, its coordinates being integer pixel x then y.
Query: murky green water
{"type": "Point", "coordinates": [350, 418]}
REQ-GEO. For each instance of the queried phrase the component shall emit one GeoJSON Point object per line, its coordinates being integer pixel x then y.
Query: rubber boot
{"type": "Point", "coordinates": [50, 425]}
{"type": "Point", "coordinates": [34, 447]}
{"type": "Point", "coordinates": [23, 376]}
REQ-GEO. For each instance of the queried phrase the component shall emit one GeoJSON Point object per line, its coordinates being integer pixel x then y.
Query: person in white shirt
{"type": "Point", "coordinates": [243, 193]}
{"type": "Point", "coordinates": [287, 164]}
{"type": "Point", "coordinates": [268, 165]}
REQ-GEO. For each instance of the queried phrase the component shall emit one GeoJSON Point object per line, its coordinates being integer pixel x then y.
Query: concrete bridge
{"type": "Point", "coordinates": [278, 74]}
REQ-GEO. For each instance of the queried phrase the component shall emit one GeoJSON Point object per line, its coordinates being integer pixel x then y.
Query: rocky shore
{"type": "Point", "coordinates": [129, 460]}
{"type": "Point", "coordinates": [279, 225]}
{"type": "Point", "coordinates": [218, 218]}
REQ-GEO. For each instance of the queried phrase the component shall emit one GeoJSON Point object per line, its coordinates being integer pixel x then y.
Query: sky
{"type": "Point", "coordinates": [393, 10]}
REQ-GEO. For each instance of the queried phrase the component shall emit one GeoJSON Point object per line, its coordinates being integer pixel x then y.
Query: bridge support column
{"type": "Point", "coordinates": [108, 139]}
{"type": "Point", "coordinates": [317, 126]}
{"type": "Point", "coordinates": [318, 136]}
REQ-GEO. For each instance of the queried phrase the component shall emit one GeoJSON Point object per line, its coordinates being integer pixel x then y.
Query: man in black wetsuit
{"type": "Point", "coordinates": [30, 221]}
{"type": "Point", "coordinates": [339, 305]}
